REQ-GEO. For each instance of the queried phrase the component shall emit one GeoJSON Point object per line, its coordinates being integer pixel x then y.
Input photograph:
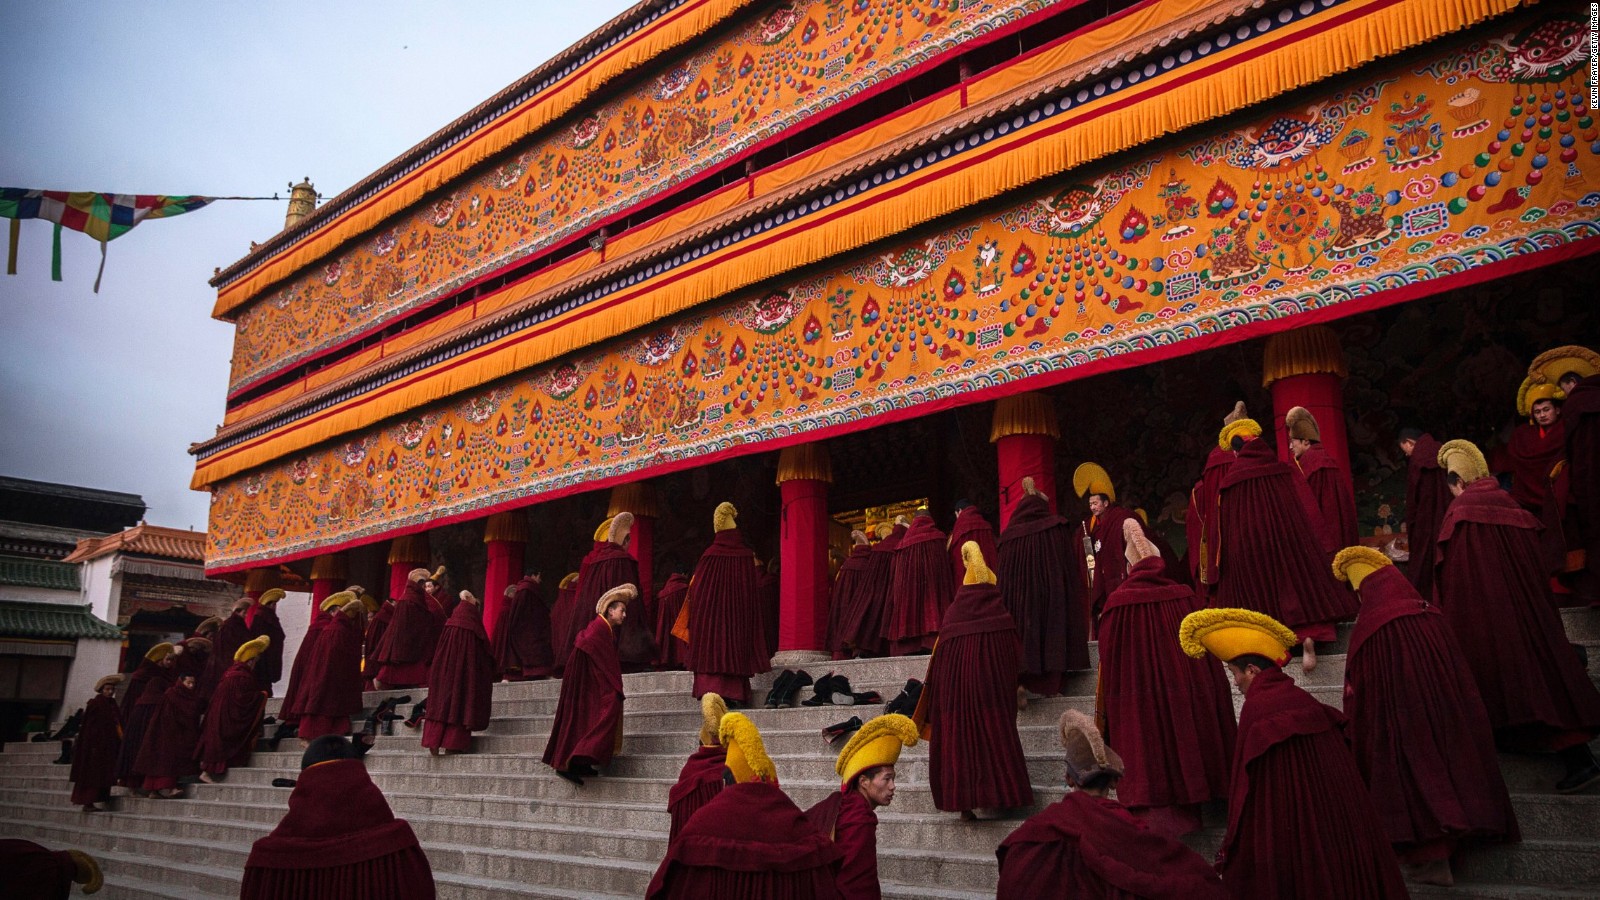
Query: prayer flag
{"type": "Point", "coordinates": [103, 217]}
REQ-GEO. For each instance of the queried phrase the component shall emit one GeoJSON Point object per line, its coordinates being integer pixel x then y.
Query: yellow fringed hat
{"type": "Point", "coordinates": [1354, 564]}
{"type": "Point", "coordinates": [1301, 424]}
{"type": "Point", "coordinates": [159, 652]}
{"type": "Point", "coordinates": [747, 755]}
{"type": "Point", "coordinates": [883, 530]}
{"type": "Point", "coordinates": [109, 679]}
{"type": "Point", "coordinates": [1554, 363]}
{"type": "Point", "coordinates": [1136, 547]}
{"type": "Point", "coordinates": [469, 597]}
{"type": "Point", "coordinates": [337, 601]}
{"type": "Point", "coordinates": [623, 593]}
{"type": "Point", "coordinates": [86, 871]}
{"type": "Point", "coordinates": [877, 743]}
{"type": "Point", "coordinates": [1231, 633]}
{"type": "Point", "coordinates": [1088, 757]}
{"type": "Point", "coordinates": [1031, 488]}
{"type": "Point", "coordinates": [270, 597]}
{"type": "Point", "coordinates": [978, 571]}
{"type": "Point", "coordinates": [1090, 478]}
{"type": "Point", "coordinates": [209, 623]}
{"type": "Point", "coordinates": [417, 574]}
{"type": "Point", "coordinates": [604, 530]}
{"type": "Point", "coordinates": [252, 648]}
{"type": "Point", "coordinates": [373, 604]}
{"type": "Point", "coordinates": [617, 531]}
{"type": "Point", "coordinates": [567, 582]}
{"type": "Point", "coordinates": [1532, 391]}
{"type": "Point", "coordinates": [723, 518]}
{"type": "Point", "coordinates": [1237, 413]}
{"type": "Point", "coordinates": [1245, 428]}
{"type": "Point", "coordinates": [712, 709]}
{"type": "Point", "coordinates": [1464, 460]}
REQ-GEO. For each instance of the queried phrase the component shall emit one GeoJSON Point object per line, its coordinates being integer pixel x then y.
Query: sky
{"type": "Point", "coordinates": [109, 390]}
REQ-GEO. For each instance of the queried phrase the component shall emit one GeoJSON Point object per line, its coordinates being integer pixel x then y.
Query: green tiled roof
{"type": "Point", "coordinates": [38, 573]}
{"type": "Point", "coordinates": [55, 621]}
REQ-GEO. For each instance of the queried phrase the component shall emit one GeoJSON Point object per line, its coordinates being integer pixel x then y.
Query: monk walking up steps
{"type": "Point", "coordinates": [587, 730]}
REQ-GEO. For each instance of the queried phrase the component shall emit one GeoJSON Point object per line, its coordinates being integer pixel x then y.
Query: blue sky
{"type": "Point", "coordinates": [109, 390]}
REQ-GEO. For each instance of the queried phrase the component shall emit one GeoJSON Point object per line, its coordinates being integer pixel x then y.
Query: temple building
{"type": "Point", "coordinates": [831, 260]}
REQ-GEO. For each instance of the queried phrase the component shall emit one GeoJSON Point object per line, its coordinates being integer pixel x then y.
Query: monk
{"type": "Point", "coordinates": [1301, 822]}
{"type": "Point", "coordinates": [1171, 715]}
{"type": "Point", "coordinates": [168, 751]}
{"type": "Point", "coordinates": [700, 779]}
{"type": "Point", "coordinates": [609, 566]}
{"type": "Point", "coordinates": [561, 617]}
{"type": "Point", "coordinates": [235, 630]}
{"type": "Point", "coordinates": [750, 841]}
{"type": "Point", "coordinates": [968, 705]}
{"type": "Point", "coordinates": [405, 653]}
{"type": "Point", "coordinates": [1200, 525]}
{"type": "Point", "coordinates": [1270, 555]}
{"type": "Point", "coordinates": [461, 683]}
{"type": "Point", "coordinates": [333, 673]}
{"type": "Point", "coordinates": [269, 665]}
{"type": "Point", "coordinates": [379, 615]}
{"type": "Point", "coordinates": [34, 872]}
{"type": "Point", "coordinates": [1538, 444]}
{"type": "Point", "coordinates": [290, 710]}
{"type": "Point", "coordinates": [576, 622]}
{"type": "Point", "coordinates": [1494, 593]}
{"type": "Point", "coordinates": [919, 588]}
{"type": "Point", "coordinates": [146, 689]}
{"type": "Point", "coordinates": [970, 525]}
{"type": "Point", "coordinates": [521, 643]}
{"type": "Point", "coordinates": [724, 622]}
{"type": "Point", "coordinates": [671, 651]}
{"type": "Point", "coordinates": [1419, 730]}
{"type": "Point", "coordinates": [94, 754]}
{"type": "Point", "coordinates": [1104, 529]}
{"type": "Point", "coordinates": [1572, 518]}
{"type": "Point", "coordinates": [862, 626]}
{"type": "Point", "coordinates": [1087, 845]}
{"type": "Point", "coordinates": [233, 718]}
{"type": "Point", "coordinates": [768, 589]}
{"type": "Point", "coordinates": [587, 730]}
{"type": "Point", "coordinates": [1427, 498]}
{"type": "Point", "coordinates": [849, 815]}
{"type": "Point", "coordinates": [1329, 483]}
{"type": "Point", "coordinates": [1043, 592]}
{"type": "Point", "coordinates": [339, 838]}
{"type": "Point", "coordinates": [846, 589]}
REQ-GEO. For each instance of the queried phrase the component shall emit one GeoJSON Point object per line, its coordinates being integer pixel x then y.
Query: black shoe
{"type": "Point", "coordinates": [841, 730]}
{"type": "Point", "coordinates": [867, 697]}
{"type": "Point", "coordinates": [842, 695]}
{"type": "Point", "coordinates": [583, 770]}
{"type": "Point", "coordinates": [821, 691]}
{"type": "Point", "coordinates": [800, 681]}
{"type": "Point", "coordinates": [1579, 779]}
{"type": "Point", "coordinates": [570, 777]}
{"type": "Point", "coordinates": [906, 702]}
{"type": "Point", "coordinates": [779, 685]}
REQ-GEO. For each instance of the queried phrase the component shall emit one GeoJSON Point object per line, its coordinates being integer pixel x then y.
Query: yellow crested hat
{"type": "Point", "coordinates": [1245, 428]}
{"type": "Point", "coordinates": [1088, 757]}
{"type": "Point", "coordinates": [1238, 412]}
{"type": "Point", "coordinates": [372, 603]}
{"type": "Point", "coordinates": [1090, 478]}
{"type": "Point", "coordinates": [1301, 424]}
{"type": "Point", "coordinates": [337, 601]}
{"type": "Point", "coordinates": [1554, 363]}
{"type": "Point", "coordinates": [747, 755]}
{"type": "Point", "coordinates": [883, 530]}
{"type": "Point", "coordinates": [86, 871]}
{"type": "Point", "coordinates": [617, 531]}
{"type": "Point", "coordinates": [1231, 633]}
{"type": "Point", "coordinates": [1464, 460]}
{"type": "Point", "coordinates": [252, 648]}
{"type": "Point", "coordinates": [1031, 487]}
{"type": "Point", "coordinates": [712, 709]}
{"type": "Point", "coordinates": [211, 623]}
{"type": "Point", "coordinates": [1534, 390]}
{"type": "Point", "coordinates": [877, 743]}
{"type": "Point", "coordinates": [159, 652]}
{"type": "Point", "coordinates": [623, 593]}
{"type": "Point", "coordinates": [270, 597]}
{"type": "Point", "coordinates": [1354, 564]}
{"type": "Point", "coordinates": [604, 529]}
{"type": "Point", "coordinates": [1136, 547]}
{"type": "Point", "coordinates": [723, 517]}
{"type": "Point", "coordinates": [417, 574]}
{"type": "Point", "coordinates": [567, 582]}
{"type": "Point", "coordinates": [978, 571]}
{"type": "Point", "coordinates": [109, 679]}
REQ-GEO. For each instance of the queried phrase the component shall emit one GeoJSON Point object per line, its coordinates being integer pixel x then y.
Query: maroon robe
{"type": "Point", "coordinates": [234, 632]}
{"type": "Point", "coordinates": [725, 640]}
{"type": "Point", "coordinates": [293, 704]}
{"type": "Point", "coordinates": [269, 665]}
{"type": "Point", "coordinates": [847, 818]}
{"type": "Point", "coordinates": [970, 698]}
{"type": "Point", "coordinates": [699, 780]}
{"type": "Point", "coordinates": [577, 618]}
{"type": "Point", "coordinates": [561, 616]}
{"type": "Point", "coordinates": [233, 720]}
{"type": "Point", "coordinates": [920, 589]}
{"type": "Point", "coordinates": [339, 840]}
{"type": "Point", "coordinates": [1335, 495]}
{"type": "Point", "coordinates": [1200, 526]}
{"type": "Point", "coordinates": [1170, 717]}
{"type": "Point", "coordinates": [862, 624]}
{"type": "Point", "coordinates": [94, 753]}
{"type": "Point", "coordinates": [846, 587]}
{"type": "Point", "coordinates": [771, 599]}
{"type": "Point", "coordinates": [1534, 452]}
{"type": "Point", "coordinates": [1419, 730]}
{"type": "Point", "coordinates": [1580, 515]}
{"type": "Point", "coordinates": [1427, 498]}
{"type": "Point", "coordinates": [521, 644]}
{"type": "Point", "coordinates": [1110, 555]}
{"type": "Point", "coordinates": [752, 843]}
{"type": "Point", "coordinates": [611, 566]}
{"type": "Point", "coordinates": [588, 720]}
{"type": "Point", "coordinates": [376, 626]}
{"type": "Point", "coordinates": [34, 872]}
{"type": "Point", "coordinates": [1270, 559]}
{"type": "Point", "coordinates": [333, 680]}
{"type": "Point", "coordinates": [671, 651]}
{"type": "Point", "coordinates": [406, 651]}
{"type": "Point", "coordinates": [1092, 848]}
{"type": "Point", "coordinates": [970, 525]}
{"type": "Point", "coordinates": [461, 684]}
{"type": "Point", "coordinates": [1047, 601]}
{"type": "Point", "coordinates": [1493, 590]}
{"type": "Point", "coordinates": [167, 752]}
{"type": "Point", "coordinates": [152, 689]}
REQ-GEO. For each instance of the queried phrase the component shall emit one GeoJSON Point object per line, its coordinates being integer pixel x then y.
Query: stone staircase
{"type": "Point", "coordinates": [498, 823]}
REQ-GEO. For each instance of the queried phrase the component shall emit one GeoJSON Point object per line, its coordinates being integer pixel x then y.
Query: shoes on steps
{"type": "Point", "coordinates": [799, 681]}
{"type": "Point", "coordinates": [905, 703]}
{"type": "Point", "coordinates": [867, 697]}
{"type": "Point", "coordinates": [821, 691]}
{"type": "Point", "coordinates": [779, 685]}
{"type": "Point", "coordinates": [1579, 780]}
{"type": "Point", "coordinates": [841, 730]}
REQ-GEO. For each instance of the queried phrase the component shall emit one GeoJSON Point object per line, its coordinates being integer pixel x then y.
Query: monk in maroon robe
{"type": "Point", "coordinates": [94, 753]}
{"type": "Point", "coordinates": [968, 705]}
{"type": "Point", "coordinates": [750, 841]}
{"type": "Point", "coordinates": [168, 750]}
{"type": "Point", "coordinates": [377, 623]}
{"type": "Point", "coordinates": [290, 709]}
{"type": "Point", "coordinates": [770, 590]}
{"type": "Point", "coordinates": [1043, 592]}
{"type": "Point", "coordinates": [1087, 845]}
{"type": "Point", "coordinates": [671, 651]}
{"type": "Point", "coordinates": [849, 815]}
{"type": "Point", "coordinates": [521, 643]}
{"type": "Point", "coordinates": [1427, 498]}
{"type": "Point", "coordinates": [846, 588]}
{"type": "Point", "coordinates": [1170, 715]}
{"type": "Point", "coordinates": [233, 718]}
{"type": "Point", "coordinates": [269, 665]}
{"type": "Point", "coordinates": [1419, 730]}
{"type": "Point", "coordinates": [862, 623]}
{"type": "Point", "coordinates": [146, 689]}
{"type": "Point", "coordinates": [576, 622]}
{"type": "Point", "coordinates": [701, 777]}
{"type": "Point", "coordinates": [1200, 524]}
{"type": "Point", "coordinates": [1329, 483]}
{"type": "Point", "coordinates": [725, 642]}
{"type": "Point", "coordinates": [587, 730]}
{"type": "Point", "coordinates": [1580, 516]}
{"type": "Point", "coordinates": [1104, 530]}
{"type": "Point", "coordinates": [1536, 445]}
{"type": "Point", "coordinates": [235, 631]}
{"type": "Point", "coordinates": [333, 673]}
{"type": "Point", "coordinates": [610, 566]}
{"type": "Point", "coordinates": [34, 872]}
{"type": "Point", "coordinates": [461, 684]}
{"type": "Point", "coordinates": [561, 616]}
{"type": "Point", "coordinates": [1270, 558]}
{"type": "Point", "coordinates": [919, 588]}
{"type": "Point", "coordinates": [1494, 593]}
{"type": "Point", "coordinates": [970, 525]}
{"type": "Point", "coordinates": [339, 839]}
{"type": "Point", "coordinates": [405, 653]}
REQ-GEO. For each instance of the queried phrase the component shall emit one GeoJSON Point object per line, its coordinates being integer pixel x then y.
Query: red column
{"type": "Point", "coordinates": [506, 536]}
{"type": "Point", "coordinates": [639, 498]}
{"type": "Point", "coordinates": [804, 474]}
{"type": "Point", "coordinates": [1305, 367]}
{"type": "Point", "coordinates": [406, 553]}
{"type": "Point", "coordinates": [1024, 435]}
{"type": "Point", "coordinates": [328, 577]}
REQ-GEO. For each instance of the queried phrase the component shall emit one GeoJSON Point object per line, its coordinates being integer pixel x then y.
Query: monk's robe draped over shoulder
{"type": "Point", "coordinates": [724, 615]}
{"type": "Point", "coordinates": [146, 692]}
{"type": "Point", "coordinates": [94, 753]}
{"type": "Point", "coordinates": [611, 566]}
{"type": "Point", "coordinates": [862, 626]}
{"type": "Point", "coordinates": [174, 733]}
{"type": "Point", "coordinates": [294, 694]}
{"type": "Point", "coordinates": [752, 843]}
{"type": "Point", "coordinates": [406, 649]}
{"type": "Point", "coordinates": [848, 818]}
{"type": "Point", "coordinates": [1110, 555]}
{"type": "Point", "coordinates": [233, 720]}
{"type": "Point", "coordinates": [1042, 589]}
{"type": "Point", "coordinates": [269, 665]}
{"type": "Point", "coordinates": [1427, 498]}
{"type": "Point", "coordinates": [588, 720]}
{"type": "Point", "coordinates": [521, 644]}
{"type": "Point", "coordinates": [1200, 526]}
{"type": "Point", "coordinates": [699, 780]}
{"type": "Point", "coordinates": [333, 680]}
{"type": "Point", "coordinates": [920, 589]}
{"type": "Point", "coordinates": [1534, 452]}
{"type": "Point", "coordinates": [1335, 496]}
{"type": "Point", "coordinates": [670, 651]}
{"type": "Point", "coordinates": [970, 525]}
{"type": "Point", "coordinates": [845, 596]}
{"type": "Point", "coordinates": [461, 684]}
